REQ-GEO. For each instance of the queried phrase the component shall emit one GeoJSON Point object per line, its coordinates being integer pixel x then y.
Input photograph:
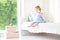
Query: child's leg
{"type": "Point", "coordinates": [34, 24]}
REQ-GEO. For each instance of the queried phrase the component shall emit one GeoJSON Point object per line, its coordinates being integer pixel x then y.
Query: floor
{"type": "Point", "coordinates": [39, 36]}
{"type": "Point", "coordinates": [14, 39]}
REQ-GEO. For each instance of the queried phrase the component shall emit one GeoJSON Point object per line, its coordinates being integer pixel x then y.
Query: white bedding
{"type": "Point", "coordinates": [42, 27]}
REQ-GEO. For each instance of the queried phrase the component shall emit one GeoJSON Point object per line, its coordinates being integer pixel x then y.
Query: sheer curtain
{"type": "Point", "coordinates": [54, 10]}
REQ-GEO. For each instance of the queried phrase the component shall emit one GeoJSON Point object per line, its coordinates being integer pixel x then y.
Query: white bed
{"type": "Point", "coordinates": [43, 27]}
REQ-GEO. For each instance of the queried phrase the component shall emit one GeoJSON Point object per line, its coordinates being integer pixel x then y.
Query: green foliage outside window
{"type": "Point", "coordinates": [8, 13]}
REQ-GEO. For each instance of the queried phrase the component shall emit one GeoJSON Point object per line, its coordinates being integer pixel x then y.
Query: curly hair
{"type": "Point", "coordinates": [38, 7]}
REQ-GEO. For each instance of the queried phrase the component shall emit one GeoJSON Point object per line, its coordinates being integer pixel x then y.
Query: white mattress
{"type": "Point", "coordinates": [42, 27]}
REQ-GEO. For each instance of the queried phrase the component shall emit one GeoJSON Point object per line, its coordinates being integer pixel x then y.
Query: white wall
{"type": "Point", "coordinates": [50, 8]}
{"type": "Point", "coordinates": [29, 6]}
{"type": "Point", "coordinates": [58, 11]}
{"type": "Point", "coordinates": [46, 10]}
{"type": "Point", "coordinates": [54, 10]}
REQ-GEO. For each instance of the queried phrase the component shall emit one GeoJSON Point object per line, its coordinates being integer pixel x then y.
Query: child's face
{"type": "Point", "coordinates": [37, 10]}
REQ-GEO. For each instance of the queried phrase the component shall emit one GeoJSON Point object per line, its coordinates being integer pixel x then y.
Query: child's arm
{"type": "Point", "coordinates": [43, 17]}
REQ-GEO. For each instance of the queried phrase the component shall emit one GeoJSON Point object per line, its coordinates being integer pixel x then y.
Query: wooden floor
{"type": "Point", "coordinates": [39, 36]}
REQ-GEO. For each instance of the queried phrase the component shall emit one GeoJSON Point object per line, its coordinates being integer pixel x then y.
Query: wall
{"type": "Point", "coordinates": [58, 3]}
{"type": "Point", "coordinates": [46, 10]}
{"type": "Point", "coordinates": [50, 8]}
{"type": "Point", "coordinates": [28, 6]}
{"type": "Point", "coordinates": [55, 10]}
